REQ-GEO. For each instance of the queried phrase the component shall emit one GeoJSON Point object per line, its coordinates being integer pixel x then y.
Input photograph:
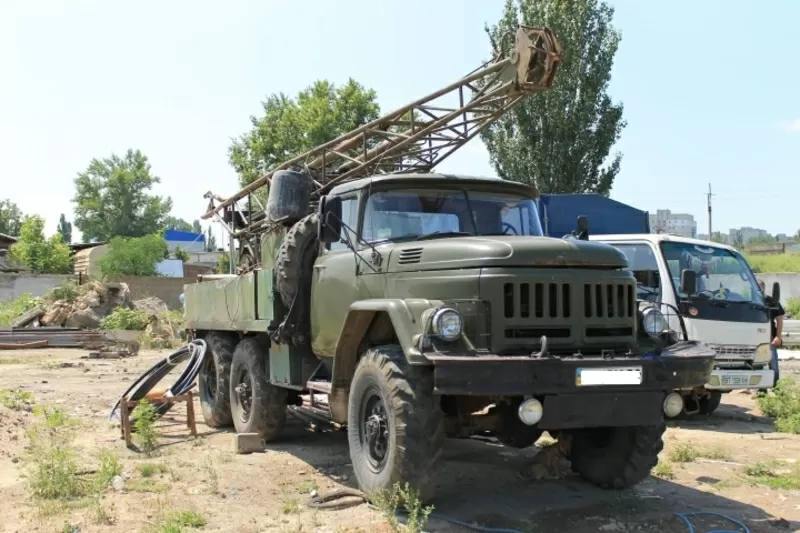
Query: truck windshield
{"type": "Point", "coordinates": [721, 274]}
{"type": "Point", "coordinates": [419, 213]}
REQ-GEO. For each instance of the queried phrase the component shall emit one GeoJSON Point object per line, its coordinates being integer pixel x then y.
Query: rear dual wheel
{"type": "Point", "coordinates": [257, 406]}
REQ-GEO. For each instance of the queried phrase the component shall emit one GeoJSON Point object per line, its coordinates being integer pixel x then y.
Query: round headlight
{"type": "Point", "coordinates": [653, 321]}
{"type": "Point", "coordinates": [447, 324]}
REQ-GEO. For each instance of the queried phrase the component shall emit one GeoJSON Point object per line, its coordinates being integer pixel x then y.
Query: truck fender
{"type": "Point", "coordinates": [406, 320]}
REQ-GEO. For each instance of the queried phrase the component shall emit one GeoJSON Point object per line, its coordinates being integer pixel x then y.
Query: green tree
{"type": "Point", "coordinates": [560, 140]}
{"type": "Point", "coordinates": [134, 256]}
{"type": "Point", "coordinates": [65, 229]}
{"type": "Point", "coordinates": [10, 218]}
{"type": "Point", "coordinates": [112, 200]}
{"type": "Point", "coordinates": [291, 126]}
{"type": "Point", "coordinates": [224, 263]}
{"type": "Point", "coordinates": [41, 255]}
{"type": "Point", "coordinates": [181, 254]}
{"type": "Point", "coordinates": [717, 237]}
{"type": "Point", "coordinates": [196, 227]}
{"type": "Point", "coordinates": [211, 241]}
{"type": "Point", "coordinates": [175, 223]}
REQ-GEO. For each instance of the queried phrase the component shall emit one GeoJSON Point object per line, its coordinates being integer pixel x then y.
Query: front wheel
{"type": "Point", "coordinates": [256, 405]}
{"type": "Point", "coordinates": [616, 458]}
{"type": "Point", "coordinates": [395, 425]}
{"type": "Point", "coordinates": [708, 404]}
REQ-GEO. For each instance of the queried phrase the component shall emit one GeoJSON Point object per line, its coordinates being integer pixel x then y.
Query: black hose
{"type": "Point", "coordinates": [195, 351]}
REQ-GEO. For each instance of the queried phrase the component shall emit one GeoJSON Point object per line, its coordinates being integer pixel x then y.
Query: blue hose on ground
{"type": "Point", "coordinates": [685, 517]}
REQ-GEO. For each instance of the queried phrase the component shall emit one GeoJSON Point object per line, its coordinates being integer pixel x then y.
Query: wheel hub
{"type": "Point", "coordinates": [244, 395]}
{"type": "Point", "coordinates": [375, 431]}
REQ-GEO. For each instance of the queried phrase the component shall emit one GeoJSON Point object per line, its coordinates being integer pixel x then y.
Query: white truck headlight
{"type": "Point", "coordinates": [654, 322]}
{"type": "Point", "coordinates": [447, 324]}
{"type": "Point", "coordinates": [763, 354]}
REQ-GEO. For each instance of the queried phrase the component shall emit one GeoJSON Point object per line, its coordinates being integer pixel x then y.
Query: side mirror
{"type": "Point", "coordinates": [583, 228]}
{"type": "Point", "coordinates": [688, 281]}
{"type": "Point", "coordinates": [776, 292]}
{"type": "Point", "coordinates": [329, 228]}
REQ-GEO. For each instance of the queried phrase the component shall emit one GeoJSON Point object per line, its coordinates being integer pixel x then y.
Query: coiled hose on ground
{"type": "Point", "coordinates": [194, 351]}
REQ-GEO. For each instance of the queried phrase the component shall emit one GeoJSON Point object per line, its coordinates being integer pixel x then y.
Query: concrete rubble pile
{"type": "Point", "coordinates": [95, 301]}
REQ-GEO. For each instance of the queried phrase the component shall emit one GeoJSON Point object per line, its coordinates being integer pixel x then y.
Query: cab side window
{"type": "Point", "coordinates": [349, 220]}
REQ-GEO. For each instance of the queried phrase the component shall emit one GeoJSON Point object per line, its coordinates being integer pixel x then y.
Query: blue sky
{"type": "Point", "coordinates": [710, 91]}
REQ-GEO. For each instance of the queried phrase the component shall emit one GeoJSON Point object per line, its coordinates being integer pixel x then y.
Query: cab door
{"type": "Point", "coordinates": [333, 285]}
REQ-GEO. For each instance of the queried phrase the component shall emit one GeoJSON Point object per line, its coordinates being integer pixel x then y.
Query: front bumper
{"type": "Point", "coordinates": [570, 398]}
{"type": "Point", "coordinates": [731, 379]}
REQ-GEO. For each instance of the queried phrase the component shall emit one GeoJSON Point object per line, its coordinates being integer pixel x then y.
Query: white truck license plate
{"type": "Point", "coordinates": [734, 379]}
{"type": "Point", "coordinates": [608, 376]}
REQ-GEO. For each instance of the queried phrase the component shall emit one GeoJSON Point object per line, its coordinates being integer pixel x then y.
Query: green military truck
{"type": "Point", "coordinates": [415, 302]}
{"type": "Point", "coordinates": [408, 306]}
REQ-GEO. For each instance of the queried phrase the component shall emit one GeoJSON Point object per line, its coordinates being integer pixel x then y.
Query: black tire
{"type": "Point", "coordinates": [295, 261]}
{"type": "Point", "coordinates": [214, 379]}
{"type": "Point", "coordinates": [414, 422]}
{"type": "Point", "coordinates": [709, 404]}
{"type": "Point", "coordinates": [616, 458]}
{"type": "Point", "coordinates": [256, 405]}
{"type": "Point", "coordinates": [510, 430]}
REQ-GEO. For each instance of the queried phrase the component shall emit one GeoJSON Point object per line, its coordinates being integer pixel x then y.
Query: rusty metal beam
{"type": "Point", "coordinates": [420, 135]}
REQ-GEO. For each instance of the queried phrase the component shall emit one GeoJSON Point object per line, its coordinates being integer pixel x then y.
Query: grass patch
{"type": "Point", "coordinates": [9, 311]}
{"type": "Point", "coordinates": [687, 453]}
{"type": "Point", "coordinates": [774, 263]}
{"type": "Point", "coordinates": [388, 502]}
{"type": "Point", "coordinates": [178, 522]}
{"type": "Point", "coordinates": [53, 464]}
{"type": "Point", "coordinates": [110, 467]}
{"type": "Point", "coordinates": [664, 470]}
{"type": "Point", "coordinates": [783, 405]}
{"type": "Point", "coordinates": [307, 486]}
{"type": "Point", "coordinates": [16, 399]}
{"type": "Point", "coordinates": [150, 469]}
{"type": "Point", "coordinates": [772, 475]}
{"type": "Point", "coordinates": [212, 477]}
{"type": "Point", "coordinates": [792, 307]}
{"type": "Point", "coordinates": [144, 417]}
{"type": "Point", "coordinates": [290, 506]}
{"type": "Point", "coordinates": [147, 485]}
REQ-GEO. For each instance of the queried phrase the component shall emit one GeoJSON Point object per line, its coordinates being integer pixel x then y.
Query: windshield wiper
{"type": "Point", "coordinates": [434, 234]}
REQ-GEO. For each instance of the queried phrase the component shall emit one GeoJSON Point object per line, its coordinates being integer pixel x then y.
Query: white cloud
{"type": "Point", "coordinates": [792, 126]}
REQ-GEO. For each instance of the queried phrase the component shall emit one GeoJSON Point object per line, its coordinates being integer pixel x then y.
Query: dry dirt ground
{"type": "Point", "coordinates": [705, 470]}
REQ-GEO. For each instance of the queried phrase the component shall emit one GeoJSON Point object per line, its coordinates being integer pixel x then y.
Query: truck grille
{"type": "Point", "coordinates": [537, 300]}
{"type": "Point", "coordinates": [739, 350]}
{"type": "Point", "coordinates": [608, 300]}
{"type": "Point", "coordinates": [579, 310]}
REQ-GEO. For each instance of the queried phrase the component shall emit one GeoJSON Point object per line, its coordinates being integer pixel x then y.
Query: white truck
{"type": "Point", "coordinates": [725, 311]}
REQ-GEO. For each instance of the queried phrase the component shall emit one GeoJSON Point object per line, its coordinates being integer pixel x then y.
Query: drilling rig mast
{"type": "Point", "coordinates": [414, 138]}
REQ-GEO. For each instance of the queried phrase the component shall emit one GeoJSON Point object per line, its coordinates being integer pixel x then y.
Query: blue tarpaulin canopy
{"type": "Point", "coordinates": [560, 212]}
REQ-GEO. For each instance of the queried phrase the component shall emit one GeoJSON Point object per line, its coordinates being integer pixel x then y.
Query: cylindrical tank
{"type": "Point", "coordinates": [289, 195]}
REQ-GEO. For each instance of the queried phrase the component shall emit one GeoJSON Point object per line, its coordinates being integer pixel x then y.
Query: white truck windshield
{"type": "Point", "coordinates": [409, 214]}
{"type": "Point", "coordinates": [721, 274]}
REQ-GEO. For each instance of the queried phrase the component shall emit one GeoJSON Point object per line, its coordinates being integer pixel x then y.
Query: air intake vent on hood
{"type": "Point", "coordinates": [409, 256]}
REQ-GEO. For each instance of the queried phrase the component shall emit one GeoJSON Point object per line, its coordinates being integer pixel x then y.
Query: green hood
{"type": "Point", "coordinates": [484, 252]}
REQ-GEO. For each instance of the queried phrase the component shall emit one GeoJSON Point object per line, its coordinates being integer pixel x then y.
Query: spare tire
{"type": "Point", "coordinates": [295, 263]}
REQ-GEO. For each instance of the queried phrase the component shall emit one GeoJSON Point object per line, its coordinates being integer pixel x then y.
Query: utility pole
{"type": "Point", "coordinates": [709, 195]}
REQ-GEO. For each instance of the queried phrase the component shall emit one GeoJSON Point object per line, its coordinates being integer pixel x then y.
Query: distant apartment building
{"type": "Point", "coordinates": [746, 234]}
{"type": "Point", "coordinates": [665, 221]}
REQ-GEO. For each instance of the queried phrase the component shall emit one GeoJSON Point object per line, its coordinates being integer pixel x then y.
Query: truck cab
{"type": "Point", "coordinates": [726, 311]}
